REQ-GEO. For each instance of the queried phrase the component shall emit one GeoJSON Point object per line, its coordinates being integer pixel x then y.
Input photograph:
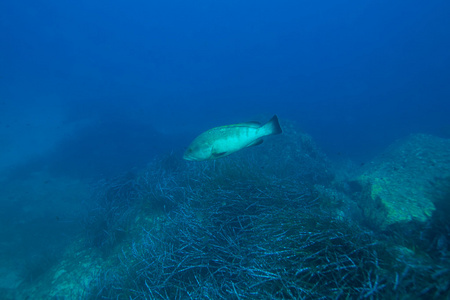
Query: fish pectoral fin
{"type": "Point", "coordinates": [218, 154]}
{"type": "Point", "coordinates": [256, 143]}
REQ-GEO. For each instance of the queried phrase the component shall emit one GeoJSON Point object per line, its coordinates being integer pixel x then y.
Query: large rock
{"type": "Point", "coordinates": [400, 179]}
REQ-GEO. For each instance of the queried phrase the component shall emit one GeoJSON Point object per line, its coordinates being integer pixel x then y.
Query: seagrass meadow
{"type": "Point", "coordinates": [279, 221]}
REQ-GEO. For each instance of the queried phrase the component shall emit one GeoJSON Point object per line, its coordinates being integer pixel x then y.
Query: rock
{"type": "Point", "coordinates": [400, 178]}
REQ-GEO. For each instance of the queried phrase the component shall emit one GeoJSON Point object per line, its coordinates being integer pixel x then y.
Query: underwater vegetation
{"type": "Point", "coordinates": [437, 233]}
{"type": "Point", "coordinates": [264, 223]}
{"type": "Point", "coordinates": [110, 212]}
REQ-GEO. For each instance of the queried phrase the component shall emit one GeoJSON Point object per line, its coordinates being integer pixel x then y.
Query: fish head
{"type": "Point", "coordinates": [188, 154]}
{"type": "Point", "coordinates": [196, 152]}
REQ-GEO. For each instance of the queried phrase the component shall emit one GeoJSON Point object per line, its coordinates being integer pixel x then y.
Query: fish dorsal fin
{"type": "Point", "coordinates": [246, 124]}
{"type": "Point", "coordinates": [250, 124]}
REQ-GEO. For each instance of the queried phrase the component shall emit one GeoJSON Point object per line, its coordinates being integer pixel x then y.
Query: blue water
{"type": "Point", "coordinates": [354, 75]}
{"type": "Point", "coordinates": [92, 89]}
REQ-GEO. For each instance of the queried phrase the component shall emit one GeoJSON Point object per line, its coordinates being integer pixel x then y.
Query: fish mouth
{"type": "Point", "coordinates": [187, 157]}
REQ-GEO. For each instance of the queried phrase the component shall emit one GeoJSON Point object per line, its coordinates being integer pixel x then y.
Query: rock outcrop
{"type": "Point", "coordinates": [401, 178]}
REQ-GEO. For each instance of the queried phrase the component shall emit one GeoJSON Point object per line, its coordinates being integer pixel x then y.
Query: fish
{"type": "Point", "coordinates": [222, 141]}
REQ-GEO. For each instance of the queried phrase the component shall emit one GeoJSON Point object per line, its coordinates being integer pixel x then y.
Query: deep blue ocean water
{"type": "Point", "coordinates": [354, 75]}
{"type": "Point", "coordinates": [92, 89]}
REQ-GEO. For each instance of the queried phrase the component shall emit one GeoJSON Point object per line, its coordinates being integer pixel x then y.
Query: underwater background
{"type": "Point", "coordinates": [99, 100]}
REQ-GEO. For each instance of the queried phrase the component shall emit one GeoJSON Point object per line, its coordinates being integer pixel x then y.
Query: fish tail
{"type": "Point", "coordinates": [273, 126]}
